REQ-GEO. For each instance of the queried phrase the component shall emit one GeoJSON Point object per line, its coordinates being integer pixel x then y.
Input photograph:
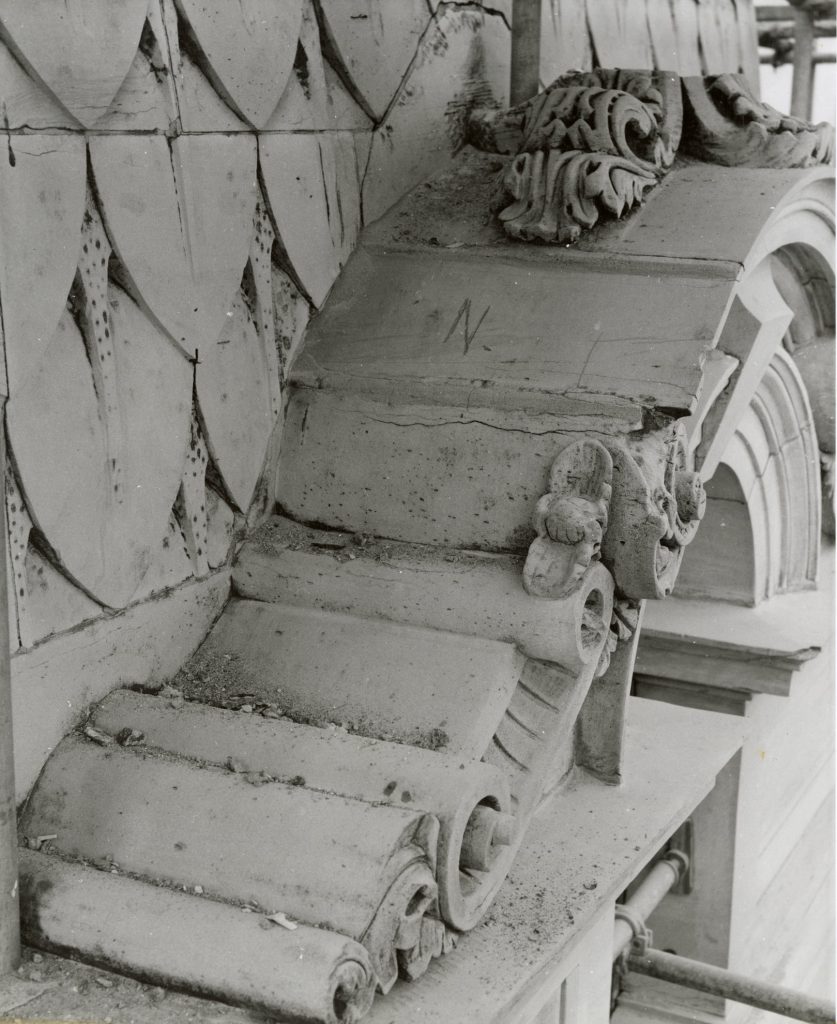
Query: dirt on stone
{"type": "Point", "coordinates": [72, 991]}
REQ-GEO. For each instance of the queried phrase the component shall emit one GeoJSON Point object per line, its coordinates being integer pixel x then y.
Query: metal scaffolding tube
{"type": "Point", "coordinates": [717, 981]}
{"type": "Point", "coordinates": [646, 898]}
{"type": "Point", "coordinates": [525, 50]}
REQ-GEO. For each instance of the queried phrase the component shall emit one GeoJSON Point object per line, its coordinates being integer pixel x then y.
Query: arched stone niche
{"type": "Point", "coordinates": [760, 434]}
{"type": "Point", "coordinates": [763, 437]}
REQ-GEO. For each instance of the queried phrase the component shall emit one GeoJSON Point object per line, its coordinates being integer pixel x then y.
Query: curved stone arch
{"type": "Point", "coordinates": [755, 420]}
{"type": "Point", "coordinates": [763, 519]}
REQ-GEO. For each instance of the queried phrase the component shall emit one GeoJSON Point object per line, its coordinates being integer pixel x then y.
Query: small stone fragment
{"type": "Point", "coordinates": [258, 778]}
{"type": "Point", "coordinates": [282, 920]}
{"type": "Point", "coordinates": [129, 737]}
{"type": "Point", "coordinates": [104, 739]}
{"type": "Point", "coordinates": [104, 982]}
{"type": "Point", "coordinates": [234, 765]}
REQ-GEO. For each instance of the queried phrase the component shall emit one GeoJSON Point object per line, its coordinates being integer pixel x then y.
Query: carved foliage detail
{"type": "Point", "coordinates": [728, 125]}
{"type": "Point", "coordinates": [570, 520]}
{"type": "Point", "coordinates": [594, 143]}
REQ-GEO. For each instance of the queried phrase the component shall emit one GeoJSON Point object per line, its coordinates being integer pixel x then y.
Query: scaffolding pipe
{"type": "Point", "coordinates": [9, 902]}
{"type": "Point", "coordinates": [719, 982]}
{"type": "Point", "coordinates": [802, 88]}
{"type": "Point", "coordinates": [646, 898]}
{"type": "Point", "coordinates": [525, 50]}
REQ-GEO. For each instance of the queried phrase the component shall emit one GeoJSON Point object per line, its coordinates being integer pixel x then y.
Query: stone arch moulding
{"type": "Point", "coordinates": [758, 421]}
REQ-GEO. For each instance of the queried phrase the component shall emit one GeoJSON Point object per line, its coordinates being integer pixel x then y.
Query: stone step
{"type": "Point", "coordinates": [451, 476]}
{"type": "Point", "coordinates": [428, 688]}
{"type": "Point", "coordinates": [470, 592]}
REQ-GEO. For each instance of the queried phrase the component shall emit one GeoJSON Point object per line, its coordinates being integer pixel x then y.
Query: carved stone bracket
{"type": "Point", "coordinates": [636, 506]}
{"type": "Point", "coordinates": [594, 143]}
{"type": "Point", "coordinates": [570, 520]}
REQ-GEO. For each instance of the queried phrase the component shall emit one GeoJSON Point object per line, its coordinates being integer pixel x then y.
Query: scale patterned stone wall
{"type": "Point", "coordinates": [181, 185]}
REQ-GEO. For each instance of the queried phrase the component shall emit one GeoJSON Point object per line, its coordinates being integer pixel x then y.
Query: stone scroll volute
{"type": "Point", "coordinates": [570, 520]}
{"type": "Point", "coordinates": [634, 505]}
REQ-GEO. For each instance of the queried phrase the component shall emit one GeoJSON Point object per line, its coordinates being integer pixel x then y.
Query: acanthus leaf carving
{"type": "Point", "coordinates": [570, 520]}
{"type": "Point", "coordinates": [728, 125]}
{"type": "Point", "coordinates": [595, 143]}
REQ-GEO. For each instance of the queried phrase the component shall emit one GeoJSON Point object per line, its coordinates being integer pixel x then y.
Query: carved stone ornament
{"type": "Point", "coordinates": [595, 142]}
{"type": "Point", "coordinates": [636, 507]}
{"type": "Point", "coordinates": [726, 124]}
{"type": "Point", "coordinates": [570, 520]}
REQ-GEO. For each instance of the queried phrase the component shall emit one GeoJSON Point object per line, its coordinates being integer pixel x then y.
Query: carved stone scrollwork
{"type": "Point", "coordinates": [570, 520]}
{"type": "Point", "coordinates": [592, 142]}
{"type": "Point", "coordinates": [726, 124]}
{"type": "Point", "coordinates": [635, 507]}
{"type": "Point", "coordinates": [658, 502]}
{"type": "Point", "coordinates": [595, 142]}
{"type": "Point", "coordinates": [624, 620]}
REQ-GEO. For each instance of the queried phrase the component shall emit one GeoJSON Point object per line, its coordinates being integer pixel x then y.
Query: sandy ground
{"type": "Point", "coordinates": [51, 988]}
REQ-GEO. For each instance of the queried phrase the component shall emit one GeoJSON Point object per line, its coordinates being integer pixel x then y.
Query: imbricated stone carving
{"type": "Point", "coordinates": [19, 526]}
{"type": "Point", "coordinates": [727, 124]}
{"type": "Point", "coordinates": [190, 507]}
{"type": "Point", "coordinates": [594, 143]}
{"type": "Point", "coordinates": [570, 520]}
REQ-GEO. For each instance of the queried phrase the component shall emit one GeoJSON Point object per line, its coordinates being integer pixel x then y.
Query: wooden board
{"type": "Point", "coordinates": [180, 216]}
{"type": "Point", "coordinates": [386, 681]}
{"type": "Point", "coordinates": [53, 684]}
{"type": "Point", "coordinates": [81, 51]}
